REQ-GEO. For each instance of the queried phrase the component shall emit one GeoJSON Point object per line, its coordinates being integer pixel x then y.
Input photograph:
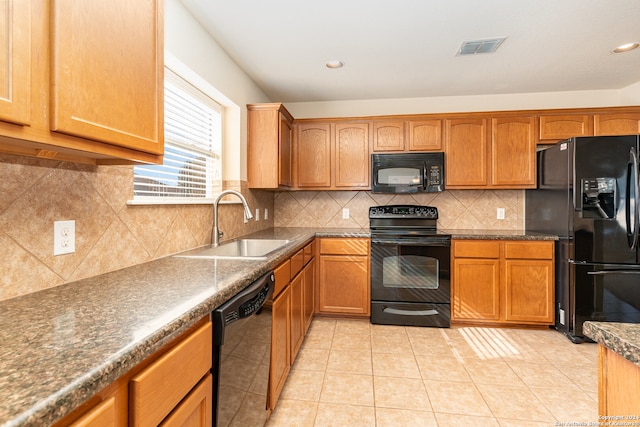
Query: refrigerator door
{"type": "Point", "coordinates": [601, 198]}
{"type": "Point", "coordinates": [604, 293]}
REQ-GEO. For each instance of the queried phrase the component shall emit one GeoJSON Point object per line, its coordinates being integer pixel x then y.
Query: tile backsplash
{"type": "Point", "coordinates": [457, 209]}
{"type": "Point", "coordinates": [110, 234]}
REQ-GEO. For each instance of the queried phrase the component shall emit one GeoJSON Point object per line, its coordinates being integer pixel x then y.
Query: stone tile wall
{"type": "Point", "coordinates": [457, 209]}
{"type": "Point", "coordinates": [110, 234]}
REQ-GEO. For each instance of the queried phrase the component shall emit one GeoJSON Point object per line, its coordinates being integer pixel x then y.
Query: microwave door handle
{"type": "Point", "coordinates": [425, 177]}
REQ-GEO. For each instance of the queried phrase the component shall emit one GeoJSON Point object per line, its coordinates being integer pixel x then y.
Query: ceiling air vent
{"type": "Point", "coordinates": [480, 46]}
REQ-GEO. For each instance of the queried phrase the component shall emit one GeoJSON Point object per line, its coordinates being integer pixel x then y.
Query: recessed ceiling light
{"type": "Point", "coordinates": [626, 47]}
{"type": "Point", "coordinates": [334, 63]}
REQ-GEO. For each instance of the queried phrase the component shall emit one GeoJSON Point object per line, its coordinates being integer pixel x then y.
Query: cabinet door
{"type": "Point", "coordinates": [296, 314]}
{"type": "Point", "coordinates": [15, 51]}
{"type": "Point", "coordinates": [313, 152]}
{"type": "Point", "coordinates": [425, 135]}
{"type": "Point", "coordinates": [107, 71]}
{"type": "Point", "coordinates": [466, 153]}
{"type": "Point", "coordinates": [285, 152]}
{"type": "Point", "coordinates": [196, 409]}
{"type": "Point", "coordinates": [476, 289]}
{"type": "Point", "coordinates": [344, 285]}
{"type": "Point", "coordinates": [103, 415]}
{"type": "Point", "coordinates": [388, 136]}
{"type": "Point", "coordinates": [309, 293]}
{"type": "Point", "coordinates": [513, 152]}
{"type": "Point", "coordinates": [557, 127]}
{"type": "Point", "coordinates": [352, 155]}
{"type": "Point", "coordinates": [616, 124]}
{"type": "Point", "coordinates": [280, 354]}
{"type": "Point", "coordinates": [529, 291]}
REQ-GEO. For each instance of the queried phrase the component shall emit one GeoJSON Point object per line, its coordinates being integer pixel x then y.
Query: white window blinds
{"type": "Point", "coordinates": [191, 168]}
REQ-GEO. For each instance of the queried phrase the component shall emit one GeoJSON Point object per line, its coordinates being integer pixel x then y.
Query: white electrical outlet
{"type": "Point", "coordinates": [266, 214]}
{"type": "Point", "coordinates": [500, 214]}
{"type": "Point", "coordinates": [257, 215]}
{"type": "Point", "coordinates": [64, 237]}
{"type": "Point", "coordinates": [345, 213]}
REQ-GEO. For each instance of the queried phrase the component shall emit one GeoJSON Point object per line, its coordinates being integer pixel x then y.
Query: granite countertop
{"type": "Point", "coordinates": [62, 345]}
{"type": "Point", "coordinates": [498, 235]}
{"type": "Point", "coordinates": [621, 338]}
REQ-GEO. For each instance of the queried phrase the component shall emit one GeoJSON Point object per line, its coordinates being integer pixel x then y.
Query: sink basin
{"type": "Point", "coordinates": [242, 248]}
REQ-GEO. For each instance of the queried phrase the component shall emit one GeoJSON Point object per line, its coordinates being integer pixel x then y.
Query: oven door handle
{"type": "Point", "coordinates": [414, 241]}
{"type": "Point", "coordinates": [410, 312]}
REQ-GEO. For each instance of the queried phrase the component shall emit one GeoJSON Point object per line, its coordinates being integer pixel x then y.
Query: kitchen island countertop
{"type": "Point", "coordinates": [62, 345]}
{"type": "Point", "coordinates": [621, 338]}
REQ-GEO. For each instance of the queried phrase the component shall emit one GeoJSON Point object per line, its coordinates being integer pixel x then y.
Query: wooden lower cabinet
{"type": "Point", "coordinates": [173, 387]}
{"type": "Point", "coordinates": [280, 346]}
{"type": "Point", "coordinates": [343, 285]}
{"type": "Point", "coordinates": [103, 415]}
{"type": "Point", "coordinates": [618, 387]}
{"type": "Point", "coordinates": [508, 282]}
{"type": "Point", "coordinates": [196, 409]}
{"type": "Point", "coordinates": [296, 318]}
{"type": "Point", "coordinates": [291, 316]}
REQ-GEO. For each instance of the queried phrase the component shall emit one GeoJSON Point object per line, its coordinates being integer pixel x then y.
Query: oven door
{"type": "Point", "coordinates": [412, 269]}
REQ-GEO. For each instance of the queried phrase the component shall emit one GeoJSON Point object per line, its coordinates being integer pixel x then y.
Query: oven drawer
{"type": "Point", "coordinates": [411, 314]}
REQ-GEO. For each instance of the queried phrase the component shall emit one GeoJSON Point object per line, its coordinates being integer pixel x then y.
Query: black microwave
{"type": "Point", "coordinates": [407, 173]}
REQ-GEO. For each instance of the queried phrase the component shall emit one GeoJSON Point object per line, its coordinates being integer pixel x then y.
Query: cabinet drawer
{"type": "Point", "coordinates": [476, 249]}
{"type": "Point", "coordinates": [196, 409]}
{"type": "Point", "coordinates": [297, 262]}
{"type": "Point", "coordinates": [528, 250]}
{"type": "Point", "coordinates": [282, 274]}
{"type": "Point", "coordinates": [308, 253]}
{"type": "Point", "coordinates": [344, 246]}
{"type": "Point", "coordinates": [160, 387]}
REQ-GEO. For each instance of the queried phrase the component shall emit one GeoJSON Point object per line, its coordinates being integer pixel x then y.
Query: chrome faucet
{"type": "Point", "coordinates": [215, 238]}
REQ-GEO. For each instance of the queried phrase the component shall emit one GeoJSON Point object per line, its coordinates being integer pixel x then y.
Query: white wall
{"type": "Point", "coordinates": [450, 104]}
{"type": "Point", "coordinates": [190, 44]}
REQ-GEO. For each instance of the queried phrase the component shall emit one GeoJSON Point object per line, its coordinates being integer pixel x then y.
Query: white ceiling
{"type": "Point", "coordinates": [407, 48]}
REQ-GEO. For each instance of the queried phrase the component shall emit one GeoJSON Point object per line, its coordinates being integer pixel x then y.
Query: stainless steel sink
{"type": "Point", "coordinates": [253, 249]}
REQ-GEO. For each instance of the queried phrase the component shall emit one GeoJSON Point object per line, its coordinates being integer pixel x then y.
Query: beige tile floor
{"type": "Point", "coordinates": [352, 373]}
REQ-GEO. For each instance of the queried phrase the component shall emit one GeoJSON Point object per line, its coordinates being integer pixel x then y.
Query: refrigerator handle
{"type": "Point", "coordinates": [632, 220]}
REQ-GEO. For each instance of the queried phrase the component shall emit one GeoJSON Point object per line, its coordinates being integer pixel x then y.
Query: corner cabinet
{"type": "Point", "coordinates": [270, 147]}
{"type": "Point", "coordinates": [91, 74]}
{"type": "Point", "coordinates": [503, 282]}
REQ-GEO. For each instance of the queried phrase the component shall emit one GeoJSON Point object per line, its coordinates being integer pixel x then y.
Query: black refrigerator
{"type": "Point", "coordinates": [587, 194]}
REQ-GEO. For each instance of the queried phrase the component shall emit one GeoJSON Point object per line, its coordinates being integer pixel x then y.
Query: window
{"type": "Point", "coordinates": [191, 171]}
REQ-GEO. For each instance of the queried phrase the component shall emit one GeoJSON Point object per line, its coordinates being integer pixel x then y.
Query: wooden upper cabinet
{"type": "Point", "coordinates": [409, 135]}
{"type": "Point", "coordinates": [513, 152]}
{"type": "Point", "coordinates": [425, 135]}
{"type": "Point", "coordinates": [466, 153]}
{"type": "Point", "coordinates": [107, 71]}
{"type": "Point", "coordinates": [313, 155]}
{"type": "Point", "coordinates": [352, 155]}
{"type": "Point", "coordinates": [388, 136]}
{"type": "Point", "coordinates": [15, 51]}
{"type": "Point", "coordinates": [270, 147]}
{"type": "Point", "coordinates": [616, 124]}
{"type": "Point", "coordinates": [558, 127]}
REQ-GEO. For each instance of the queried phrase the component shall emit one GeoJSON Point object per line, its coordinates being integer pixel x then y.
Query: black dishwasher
{"type": "Point", "coordinates": [241, 354]}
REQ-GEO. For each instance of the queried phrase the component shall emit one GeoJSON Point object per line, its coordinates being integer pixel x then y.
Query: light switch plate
{"type": "Point", "coordinates": [345, 213]}
{"type": "Point", "coordinates": [500, 213]}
